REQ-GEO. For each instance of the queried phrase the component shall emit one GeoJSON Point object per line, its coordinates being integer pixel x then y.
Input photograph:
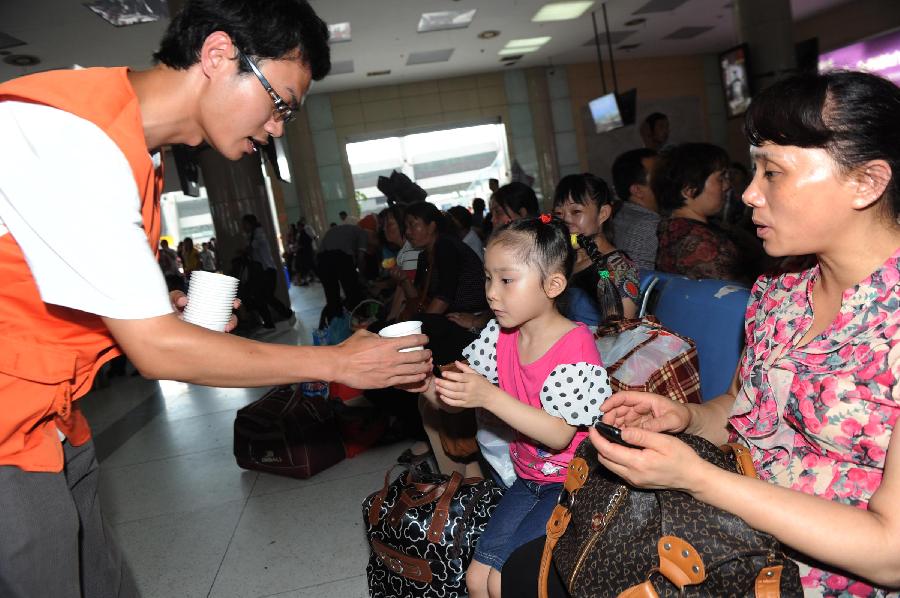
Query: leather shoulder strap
{"type": "Point", "coordinates": [559, 519]}
{"type": "Point", "coordinates": [742, 457]}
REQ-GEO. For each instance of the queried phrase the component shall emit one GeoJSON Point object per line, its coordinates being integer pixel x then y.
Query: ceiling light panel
{"type": "Point", "coordinates": [339, 32]}
{"type": "Point", "coordinates": [515, 51]}
{"type": "Point", "coordinates": [561, 11]}
{"type": "Point", "coordinates": [527, 42]}
{"type": "Point", "coordinates": [429, 56]}
{"type": "Point", "coordinates": [446, 19]}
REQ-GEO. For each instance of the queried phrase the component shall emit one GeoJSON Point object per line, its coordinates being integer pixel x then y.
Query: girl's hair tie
{"type": "Point", "coordinates": [546, 218]}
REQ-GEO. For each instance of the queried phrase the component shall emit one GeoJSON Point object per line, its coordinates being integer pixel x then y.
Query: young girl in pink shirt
{"type": "Point", "coordinates": [536, 371]}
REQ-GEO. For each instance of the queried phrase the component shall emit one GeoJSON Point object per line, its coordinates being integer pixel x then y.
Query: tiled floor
{"type": "Point", "coordinates": [191, 523]}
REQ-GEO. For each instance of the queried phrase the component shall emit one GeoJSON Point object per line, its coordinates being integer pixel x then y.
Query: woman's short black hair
{"type": "Point", "coordinates": [685, 167]}
{"type": "Point", "coordinates": [538, 243]}
{"type": "Point", "coordinates": [515, 197]}
{"type": "Point", "coordinates": [273, 29]}
{"type": "Point", "coordinates": [853, 116]}
{"type": "Point", "coordinates": [251, 219]}
{"type": "Point", "coordinates": [427, 212]}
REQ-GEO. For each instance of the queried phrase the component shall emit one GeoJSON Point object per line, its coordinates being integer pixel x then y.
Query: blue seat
{"type": "Point", "coordinates": [711, 312]}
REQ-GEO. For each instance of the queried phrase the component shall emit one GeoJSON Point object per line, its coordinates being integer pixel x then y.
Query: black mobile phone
{"type": "Point", "coordinates": [613, 434]}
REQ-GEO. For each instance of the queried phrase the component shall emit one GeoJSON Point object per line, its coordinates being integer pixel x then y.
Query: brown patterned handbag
{"type": "Point", "coordinates": [606, 538]}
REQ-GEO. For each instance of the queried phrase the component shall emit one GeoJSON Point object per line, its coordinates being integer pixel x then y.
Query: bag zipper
{"type": "Point", "coordinates": [615, 502]}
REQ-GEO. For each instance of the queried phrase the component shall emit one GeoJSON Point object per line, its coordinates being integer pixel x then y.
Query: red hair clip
{"type": "Point", "coordinates": [546, 218]}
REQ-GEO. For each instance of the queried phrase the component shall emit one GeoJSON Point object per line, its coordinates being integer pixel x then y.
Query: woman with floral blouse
{"type": "Point", "coordinates": [816, 397]}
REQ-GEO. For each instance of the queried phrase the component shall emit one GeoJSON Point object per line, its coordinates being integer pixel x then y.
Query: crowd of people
{"type": "Point", "coordinates": [506, 292]}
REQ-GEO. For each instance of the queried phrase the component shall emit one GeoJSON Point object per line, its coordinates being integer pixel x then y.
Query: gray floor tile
{"type": "Point", "coordinates": [354, 587]}
{"type": "Point", "coordinates": [298, 539]}
{"type": "Point", "coordinates": [162, 439]}
{"type": "Point", "coordinates": [175, 485]}
{"type": "Point", "coordinates": [179, 555]}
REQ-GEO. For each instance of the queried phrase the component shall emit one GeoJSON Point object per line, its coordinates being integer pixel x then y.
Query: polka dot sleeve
{"type": "Point", "coordinates": [575, 393]}
{"type": "Point", "coordinates": [482, 353]}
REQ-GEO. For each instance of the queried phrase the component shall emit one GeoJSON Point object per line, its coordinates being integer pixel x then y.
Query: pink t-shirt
{"type": "Point", "coordinates": [531, 461]}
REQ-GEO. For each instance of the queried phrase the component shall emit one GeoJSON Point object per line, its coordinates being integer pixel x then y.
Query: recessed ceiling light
{"type": "Point", "coordinates": [637, 21]}
{"type": "Point", "coordinates": [561, 11]}
{"type": "Point", "coordinates": [489, 34]}
{"type": "Point", "coordinates": [514, 51]}
{"type": "Point", "coordinates": [339, 32]}
{"type": "Point", "coordinates": [446, 19]}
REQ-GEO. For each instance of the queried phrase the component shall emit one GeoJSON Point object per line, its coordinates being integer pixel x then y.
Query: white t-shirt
{"type": "Point", "coordinates": [69, 198]}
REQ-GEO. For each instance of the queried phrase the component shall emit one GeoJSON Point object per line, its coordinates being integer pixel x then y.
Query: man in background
{"type": "Point", "coordinates": [634, 225]}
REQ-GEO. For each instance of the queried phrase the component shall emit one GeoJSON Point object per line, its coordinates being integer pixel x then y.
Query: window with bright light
{"type": "Point", "coordinates": [453, 165]}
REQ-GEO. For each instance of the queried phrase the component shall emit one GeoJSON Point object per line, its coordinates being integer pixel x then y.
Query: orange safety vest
{"type": "Point", "coordinates": [49, 354]}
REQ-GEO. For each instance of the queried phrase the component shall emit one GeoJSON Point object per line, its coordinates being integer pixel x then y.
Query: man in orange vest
{"type": "Point", "coordinates": [80, 160]}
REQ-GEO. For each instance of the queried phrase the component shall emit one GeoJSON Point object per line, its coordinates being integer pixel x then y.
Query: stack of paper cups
{"type": "Point", "coordinates": [210, 299]}
{"type": "Point", "coordinates": [403, 329]}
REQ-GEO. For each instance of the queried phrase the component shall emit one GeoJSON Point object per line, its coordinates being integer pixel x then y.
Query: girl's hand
{"type": "Point", "coordinates": [466, 388]}
{"type": "Point", "coordinates": [647, 411]}
{"type": "Point", "coordinates": [665, 462]}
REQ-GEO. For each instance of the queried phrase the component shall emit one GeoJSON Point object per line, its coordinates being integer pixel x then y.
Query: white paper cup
{"type": "Point", "coordinates": [403, 329]}
{"type": "Point", "coordinates": [210, 300]}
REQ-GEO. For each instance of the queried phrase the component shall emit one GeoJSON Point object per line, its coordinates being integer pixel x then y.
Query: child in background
{"type": "Point", "coordinates": [549, 382]}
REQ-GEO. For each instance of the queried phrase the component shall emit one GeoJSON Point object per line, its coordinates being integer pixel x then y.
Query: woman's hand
{"type": "Point", "coordinates": [465, 388]}
{"type": "Point", "coordinates": [396, 274]}
{"type": "Point", "coordinates": [179, 301]}
{"type": "Point", "coordinates": [647, 411]}
{"type": "Point", "coordinates": [665, 462]}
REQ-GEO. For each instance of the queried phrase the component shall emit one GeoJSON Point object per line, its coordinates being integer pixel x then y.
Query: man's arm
{"type": "Point", "coordinates": [166, 347]}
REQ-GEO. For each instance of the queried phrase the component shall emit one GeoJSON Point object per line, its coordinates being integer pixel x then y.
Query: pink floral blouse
{"type": "Point", "coordinates": [818, 418]}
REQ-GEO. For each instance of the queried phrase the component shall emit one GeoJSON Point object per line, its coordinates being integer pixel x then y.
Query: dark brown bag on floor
{"type": "Point", "coordinates": [609, 539]}
{"type": "Point", "coordinates": [287, 434]}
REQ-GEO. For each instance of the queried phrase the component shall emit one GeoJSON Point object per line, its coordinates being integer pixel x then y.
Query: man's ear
{"type": "Point", "coordinates": [869, 182]}
{"type": "Point", "coordinates": [555, 284]}
{"type": "Point", "coordinates": [216, 53]}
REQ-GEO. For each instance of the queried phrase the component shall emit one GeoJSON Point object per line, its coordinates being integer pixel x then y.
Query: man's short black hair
{"type": "Point", "coordinates": [628, 169]}
{"type": "Point", "coordinates": [270, 30]}
{"type": "Point", "coordinates": [653, 118]}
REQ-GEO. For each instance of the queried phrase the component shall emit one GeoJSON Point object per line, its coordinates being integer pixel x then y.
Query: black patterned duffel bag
{"type": "Point", "coordinates": [422, 531]}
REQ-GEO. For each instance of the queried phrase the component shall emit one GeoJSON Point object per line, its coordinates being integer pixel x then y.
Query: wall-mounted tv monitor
{"type": "Point", "coordinates": [735, 72]}
{"type": "Point", "coordinates": [879, 55]}
{"type": "Point", "coordinates": [605, 113]}
{"type": "Point", "coordinates": [612, 111]}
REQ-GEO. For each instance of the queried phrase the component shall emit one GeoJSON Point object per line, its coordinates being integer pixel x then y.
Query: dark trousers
{"type": "Point", "coordinates": [53, 540]}
{"type": "Point", "coordinates": [337, 270]}
{"type": "Point", "coordinates": [261, 294]}
{"type": "Point", "coordinates": [520, 573]}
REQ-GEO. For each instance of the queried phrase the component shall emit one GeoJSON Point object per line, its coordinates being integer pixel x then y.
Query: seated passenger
{"type": "Point", "coordinates": [690, 181]}
{"type": "Point", "coordinates": [604, 284]}
{"type": "Point", "coordinates": [530, 342]}
{"type": "Point", "coordinates": [816, 395]}
{"type": "Point", "coordinates": [636, 221]}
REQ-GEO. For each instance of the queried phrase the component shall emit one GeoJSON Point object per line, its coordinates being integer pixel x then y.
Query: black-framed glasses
{"type": "Point", "coordinates": [282, 111]}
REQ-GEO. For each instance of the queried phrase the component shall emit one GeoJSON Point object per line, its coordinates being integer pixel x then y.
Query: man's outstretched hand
{"type": "Point", "coordinates": [366, 360]}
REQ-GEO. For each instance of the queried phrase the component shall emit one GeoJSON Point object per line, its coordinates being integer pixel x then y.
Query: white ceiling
{"type": "Point", "coordinates": [64, 32]}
